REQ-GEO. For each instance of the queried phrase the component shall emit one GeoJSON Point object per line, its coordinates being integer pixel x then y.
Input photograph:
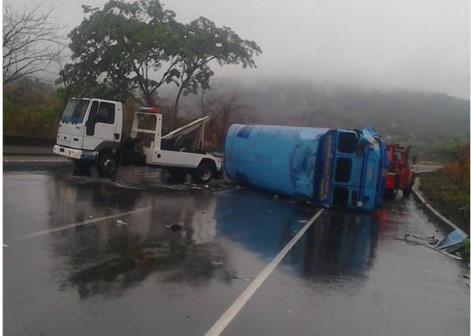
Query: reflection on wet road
{"type": "Point", "coordinates": [87, 256]}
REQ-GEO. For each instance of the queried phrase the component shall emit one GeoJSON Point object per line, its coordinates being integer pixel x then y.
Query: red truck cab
{"type": "Point", "coordinates": [401, 175]}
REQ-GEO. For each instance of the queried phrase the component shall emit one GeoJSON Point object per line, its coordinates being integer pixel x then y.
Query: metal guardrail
{"type": "Point", "coordinates": [20, 140]}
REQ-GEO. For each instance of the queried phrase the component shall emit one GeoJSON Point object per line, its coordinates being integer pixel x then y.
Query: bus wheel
{"type": "Point", "coordinates": [107, 164]}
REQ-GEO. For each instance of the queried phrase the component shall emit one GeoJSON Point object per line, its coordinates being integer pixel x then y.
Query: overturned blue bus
{"type": "Point", "coordinates": [328, 167]}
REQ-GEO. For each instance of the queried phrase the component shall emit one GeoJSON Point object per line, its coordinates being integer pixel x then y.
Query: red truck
{"type": "Point", "coordinates": [401, 175]}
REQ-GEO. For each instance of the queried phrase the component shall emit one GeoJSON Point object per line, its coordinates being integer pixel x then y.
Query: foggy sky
{"type": "Point", "coordinates": [413, 44]}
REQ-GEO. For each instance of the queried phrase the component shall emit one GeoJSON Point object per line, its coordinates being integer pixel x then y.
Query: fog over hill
{"type": "Point", "coordinates": [421, 119]}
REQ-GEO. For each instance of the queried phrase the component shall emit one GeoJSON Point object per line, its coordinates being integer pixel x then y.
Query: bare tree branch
{"type": "Point", "coordinates": [31, 41]}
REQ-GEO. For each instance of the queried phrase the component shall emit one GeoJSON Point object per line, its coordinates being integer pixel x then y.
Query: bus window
{"type": "Point", "coordinates": [347, 142]}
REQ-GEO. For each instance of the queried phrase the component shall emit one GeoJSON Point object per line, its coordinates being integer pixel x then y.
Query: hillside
{"type": "Point", "coordinates": [425, 120]}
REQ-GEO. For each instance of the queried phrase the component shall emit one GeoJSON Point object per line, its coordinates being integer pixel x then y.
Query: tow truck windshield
{"type": "Point", "coordinates": [75, 110]}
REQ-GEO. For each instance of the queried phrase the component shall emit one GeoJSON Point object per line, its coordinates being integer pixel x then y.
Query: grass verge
{"type": "Point", "coordinates": [447, 196]}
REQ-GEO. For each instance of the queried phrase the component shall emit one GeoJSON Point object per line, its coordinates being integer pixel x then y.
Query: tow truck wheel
{"type": "Point", "coordinates": [204, 173]}
{"type": "Point", "coordinates": [107, 164]}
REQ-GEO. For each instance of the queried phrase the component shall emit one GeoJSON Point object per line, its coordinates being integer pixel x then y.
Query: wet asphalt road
{"type": "Point", "coordinates": [88, 256]}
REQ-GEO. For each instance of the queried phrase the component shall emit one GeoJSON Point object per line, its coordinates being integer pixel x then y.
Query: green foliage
{"type": "Point", "coordinates": [116, 48]}
{"type": "Point", "coordinates": [120, 49]}
{"type": "Point", "coordinates": [450, 150]}
{"type": "Point", "coordinates": [30, 107]}
{"type": "Point", "coordinates": [448, 189]}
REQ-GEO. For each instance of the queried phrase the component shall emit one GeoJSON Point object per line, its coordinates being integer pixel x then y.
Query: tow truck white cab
{"type": "Point", "coordinates": [90, 133]}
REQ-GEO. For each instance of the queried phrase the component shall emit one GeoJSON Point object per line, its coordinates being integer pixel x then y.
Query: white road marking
{"type": "Point", "coordinates": [89, 221]}
{"type": "Point", "coordinates": [234, 309]}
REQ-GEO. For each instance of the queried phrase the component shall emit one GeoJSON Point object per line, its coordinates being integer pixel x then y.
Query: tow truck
{"type": "Point", "coordinates": [401, 175]}
{"type": "Point", "coordinates": [91, 133]}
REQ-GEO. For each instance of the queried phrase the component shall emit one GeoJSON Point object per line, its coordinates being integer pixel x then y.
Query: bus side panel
{"type": "Point", "coordinates": [309, 163]}
{"type": "Point", "coordinates": [276, 158]}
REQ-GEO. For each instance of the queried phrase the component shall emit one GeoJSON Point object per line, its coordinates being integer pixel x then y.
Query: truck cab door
{"type": "Point", "coordinates": [103, 125]}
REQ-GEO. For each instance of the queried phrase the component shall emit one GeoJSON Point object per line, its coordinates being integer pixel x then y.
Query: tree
{"type": "Point", "coordinates": [118, 48]}
{"type": "Point", "coordinates": [202, 43]}
{"type": "Point", "coordinates": [31, 42]}
{"type": "Point", "coordinates": [120, 51]}
{"type": "Point", "coordinates": [225, 109]}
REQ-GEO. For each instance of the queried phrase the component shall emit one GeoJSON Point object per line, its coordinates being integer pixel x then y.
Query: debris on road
{"type": "Point", "coordinates": [452, 245]}
{"type": "Point", "coordinates": [453, 242]}
{"type": "Point", "coordinates": [119, 222]}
